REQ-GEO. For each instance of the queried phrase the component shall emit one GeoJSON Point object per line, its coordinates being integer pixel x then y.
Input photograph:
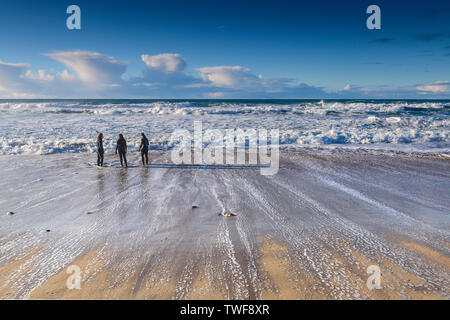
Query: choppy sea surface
{"type": "Point", "coordinates": [58, 126]}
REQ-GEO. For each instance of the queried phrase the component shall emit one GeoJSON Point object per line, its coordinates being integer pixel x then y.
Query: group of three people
{"type": "Point", "coordinates": [121, 148]}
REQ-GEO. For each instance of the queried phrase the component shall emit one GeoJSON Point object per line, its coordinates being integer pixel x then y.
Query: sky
{"type": "Point", "coordinates": [225, 49]}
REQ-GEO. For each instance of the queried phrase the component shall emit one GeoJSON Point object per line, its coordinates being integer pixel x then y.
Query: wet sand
{"type": "Point", "coordinates": [308, 232]}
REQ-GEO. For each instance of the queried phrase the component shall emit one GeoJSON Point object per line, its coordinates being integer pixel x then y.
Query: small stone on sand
{"type": "Point", "coordinates": [228, 214]}
{"type": "Point", "coordinates": [10, 213]}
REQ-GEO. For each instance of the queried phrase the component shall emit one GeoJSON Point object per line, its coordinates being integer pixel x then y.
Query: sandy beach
{"type": "Point", "coordinates": [308, 232]}
{"type": "Point", "coordinates": [296, 151]}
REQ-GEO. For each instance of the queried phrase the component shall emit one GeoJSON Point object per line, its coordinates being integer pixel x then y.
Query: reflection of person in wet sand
{"type": "Point", "coordinates": [144, 180]}
{"type": "Point", "coordinates": [122, 181]}
{"type": "Point", "coordinates": [101, 184]}
{"type": "Point", "coordinates": [121, 147]}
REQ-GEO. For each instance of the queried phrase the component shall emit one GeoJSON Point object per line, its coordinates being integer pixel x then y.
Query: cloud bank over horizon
{"type": "Point", "coordinates": [89, 74]}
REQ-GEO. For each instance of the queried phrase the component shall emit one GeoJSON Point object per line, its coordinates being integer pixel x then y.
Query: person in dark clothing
{"type": "Point", "coordinates": [121, 147]}
{"type": "Point", "coordinates": [143, 148]}
{"type": "Point", "coordinates": [100, 150]}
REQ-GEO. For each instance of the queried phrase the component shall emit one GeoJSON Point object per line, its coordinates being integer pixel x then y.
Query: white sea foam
{"type": "Point", "coordinates": [62, 126]}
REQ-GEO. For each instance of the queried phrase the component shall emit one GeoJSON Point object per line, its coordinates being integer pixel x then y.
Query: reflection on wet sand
{"type": "Point", "coordinates": [101, 183]}
{"type": "Point", "coordinates": [309, 232]}
{"type": "Point", "coordinates": [122, 180]}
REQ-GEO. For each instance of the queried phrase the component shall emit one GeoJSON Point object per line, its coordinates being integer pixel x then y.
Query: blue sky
{"type": "Point", "coordinates": [225, 49]}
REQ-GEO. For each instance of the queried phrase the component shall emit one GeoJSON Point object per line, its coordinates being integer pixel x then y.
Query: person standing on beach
{"type": "Point", "coordinates": [100, 150]}
{"type": "Point", "coordinates": [121, 147]}
{"type": "Point", "coordinates": [143, 148]}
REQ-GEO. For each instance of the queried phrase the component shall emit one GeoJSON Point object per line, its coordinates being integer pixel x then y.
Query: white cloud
{"type": "Point", "coordinates": [92, 68]}
{"type": "Point", "coordinates": [166, 62]}
{"type": "Point", "coordinates": [215, 95]}
{"type": "Point", "coordinates": [239, 78]}
{"type": "Point", "coordinates": [94, 74]}
{"type": "Point", "coordinates": [40, 75]}
{"type": "Point", "coordinates": [91, 74]}
{"type": "Point", "coordinates": [10, 75]}
{"type": "Point", "coordinates": [436, 87]}
{"type": "Point", "coordinates": [66, 76]}
{"type": "Point", "coordinates": [143, 84]}
{"type": "Point", "coordinates": [230, 77]}
{"type": "Point", "coordinates": [12, 68]}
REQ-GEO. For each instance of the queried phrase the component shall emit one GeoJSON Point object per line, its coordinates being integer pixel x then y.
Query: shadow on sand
{"type": "Point", "coordinates": [205, 166]}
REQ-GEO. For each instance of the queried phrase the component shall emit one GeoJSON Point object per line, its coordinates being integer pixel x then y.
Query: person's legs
{"type": "Point", "coordinates": [144, 155]}
{"type": "Point", "coordinates": [124, 155]}
{"type": "Point", "coordinates": [101, 159]}
{"type": "Point", "coordinates": [121, 161]}
{"type": "Point", "coordinates": [98, 159]}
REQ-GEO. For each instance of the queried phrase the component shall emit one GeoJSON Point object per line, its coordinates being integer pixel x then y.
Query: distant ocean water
{"type": "Point", "coordinates": [55, 126]}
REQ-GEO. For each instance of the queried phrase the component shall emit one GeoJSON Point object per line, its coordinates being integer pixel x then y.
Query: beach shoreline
{"type": "Point", "coordinates": [308, 232]}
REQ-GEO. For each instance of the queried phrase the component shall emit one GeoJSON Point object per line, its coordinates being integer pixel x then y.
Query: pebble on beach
{"type": "Point", "coordinates": [228, 214]}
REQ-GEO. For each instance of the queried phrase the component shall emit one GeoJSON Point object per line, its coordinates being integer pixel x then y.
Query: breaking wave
{"type": "Point", "coordinates": [44, 127]}
{"type": "Point", "coordinates": [190, 108]}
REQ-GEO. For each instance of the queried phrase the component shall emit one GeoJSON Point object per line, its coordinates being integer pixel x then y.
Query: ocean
{"type": "Point", "coordinates": [71, 125]}
{"type": "Point", "coordinates": [310, 231]}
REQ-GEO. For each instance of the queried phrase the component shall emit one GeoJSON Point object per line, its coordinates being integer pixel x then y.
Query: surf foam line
{"type": "Point", "coordinates": [36, 128]}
